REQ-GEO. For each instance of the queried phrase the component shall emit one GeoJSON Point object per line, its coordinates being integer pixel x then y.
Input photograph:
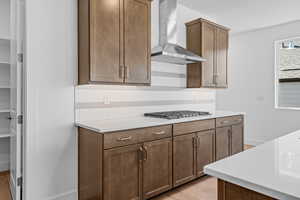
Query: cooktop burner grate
{"type": "Point", "coordinates": [176, 114]}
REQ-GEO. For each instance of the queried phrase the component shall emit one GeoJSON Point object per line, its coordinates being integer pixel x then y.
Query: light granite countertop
{"type": "Point", "coordinates": [107, 126]}
{"type": "Point", "coordinates": [272, 168]}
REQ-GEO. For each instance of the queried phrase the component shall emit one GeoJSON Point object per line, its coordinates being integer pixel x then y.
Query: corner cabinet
{"type": "Point", "coordinates": [210, 41]}
{"type": "Point", "coordinates": [114, 41]}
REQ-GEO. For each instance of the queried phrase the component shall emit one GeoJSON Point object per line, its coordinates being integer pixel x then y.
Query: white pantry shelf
{"type": "Point", "coordinates": [5, 39]}
{"type": "Point", "coordinates": [4, 111]}
{"type": "Point", "coordinates": [4, 63]}
{"type": "Point", "coordinates": [5, 135]}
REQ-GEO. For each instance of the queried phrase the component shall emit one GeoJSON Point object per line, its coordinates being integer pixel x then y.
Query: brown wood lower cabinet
{"type": "Point", "coordinates": [90, 165]}
{"type": "Point", "coordinates": [142, 163]}
{"type": "Point", "coordinates": [191, 153]}
{"type": "Point", "coordinates": [237, 139]}
{"type": "Point", "coordinates": [229, 191]}
{"type": "Point", "coordinates": [123, 173]}
{"type": "Point", "coordinates": [184, 156]}
{"type": "Point", "coordinates": [138, 171]}
{"type": "Point", "coordinates": [222, 142]}
{"type": "Point", "coordinates": [157, 167]}
{"type": "Point", "coordinates": [205, 150]}
{"type": "Point", "coordinates": [229, 140]}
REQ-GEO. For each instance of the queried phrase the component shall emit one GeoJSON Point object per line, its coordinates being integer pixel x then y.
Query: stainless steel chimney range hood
{"type": "Point", "coordinates": [168, 51]}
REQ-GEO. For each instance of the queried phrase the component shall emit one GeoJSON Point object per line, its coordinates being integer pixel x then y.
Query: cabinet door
{"type": "Point", "coordinates": [184, 155]}
{"type": "Point", "coordinates": [205, 150]}
{"type": "Point", "coordinates": [193, 44]}
{"type": "Point", "coordinates": [105, 41]}
{"type": "Point", "coordinates": [237, 139]}
{"type": "Point", "coordinates": [122, 173]}
{"type": "Point", "coordinates": [137, 41]}
{"type": "Point", "coordinates": [223, 142]}
{"type": "Point", "coordinates": [221, 57]}
{"type": "Point", "coordinates": [208, 52]}
{"type": "Point", "coordinates": [157, 167]}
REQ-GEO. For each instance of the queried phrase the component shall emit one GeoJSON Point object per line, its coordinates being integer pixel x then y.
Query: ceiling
{"type": "Point", "coordinates": [245, 15]}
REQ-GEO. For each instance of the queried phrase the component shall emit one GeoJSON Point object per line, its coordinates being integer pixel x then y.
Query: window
{"type": "Point", "coordinates": [287, 73]}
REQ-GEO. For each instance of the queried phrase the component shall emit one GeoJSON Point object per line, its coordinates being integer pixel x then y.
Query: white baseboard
{"type": "Point", "coordinates": [254, 142]}
{"type": "Point", "coordinates": [4, 166]}
{"type": "Point", "coordinates": [70, 195]}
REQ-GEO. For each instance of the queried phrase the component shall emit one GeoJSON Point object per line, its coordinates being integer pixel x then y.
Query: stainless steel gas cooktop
{"type": "Point", "coordinates": [176, 114]}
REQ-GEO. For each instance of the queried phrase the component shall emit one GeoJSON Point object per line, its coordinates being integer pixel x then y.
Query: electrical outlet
{"type": "Point", "coordinates": [106, 100]}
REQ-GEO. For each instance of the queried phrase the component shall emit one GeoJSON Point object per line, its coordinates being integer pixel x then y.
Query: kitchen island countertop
{"type": "Point", "coordinates": [272, 169]}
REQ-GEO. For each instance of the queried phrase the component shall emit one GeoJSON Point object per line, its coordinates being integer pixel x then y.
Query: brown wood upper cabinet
{"type": "Point", "coordinates": [210, 41]}
{"type": "Point", "coordinates": [114, 41]}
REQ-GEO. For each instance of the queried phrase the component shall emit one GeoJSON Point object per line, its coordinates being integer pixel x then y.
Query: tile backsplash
{"type": "Point", "coordinates": [167, 92]}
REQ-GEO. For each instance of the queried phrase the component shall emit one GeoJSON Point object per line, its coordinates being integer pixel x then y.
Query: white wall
{"type": "Point", "coordinates": [50, 138]}
{"type": "Point", "coordinates": [167, 92]}
{"type": "Point", "coordinates": [251, 83]}
{"type": "Point", "coordinates": [243, 16]}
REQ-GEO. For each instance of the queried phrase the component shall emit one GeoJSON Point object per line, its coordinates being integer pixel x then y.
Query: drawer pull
{"type": "Point", "coordinates": [160, 133]}
{"type": "Point", "coordinates": [225, 122]}
{"type": "Point", "coordinates": [238, 120]}
{"type": "Point", "coordinates": [141, 154]}
{"type": "Point", "coordinates": [145, 154]}
{"type": "Point", "coordinates": [195, 142]}
{"type": "Point", "coordinates": [125, 139]}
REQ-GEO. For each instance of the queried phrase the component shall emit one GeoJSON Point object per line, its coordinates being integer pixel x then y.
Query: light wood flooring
{"type": "Point", "coordinates": [201, 189]}
{"type": "Point", "coordinates": [4, 186]}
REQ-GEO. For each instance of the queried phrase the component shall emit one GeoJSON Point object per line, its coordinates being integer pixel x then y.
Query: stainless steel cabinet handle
{"type": "Point", "coordinates": [160, 133]}
{"type": "Point", "coordinates": [125, 138]}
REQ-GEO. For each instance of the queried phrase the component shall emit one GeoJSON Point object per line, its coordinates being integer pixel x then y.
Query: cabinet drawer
{"type": "Point", "coordinates": [122, 138]}
{"type": "Point", "coordinates": [191, 127]}
{"type": "Point", "coordinates": [155, 133]}
{"type": "Point", "coordinates": [135, 136]}
{"type": "Point", "coordinates": [228, 121]}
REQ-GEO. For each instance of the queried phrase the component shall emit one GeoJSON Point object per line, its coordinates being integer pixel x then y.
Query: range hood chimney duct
{"type": "Point", "coordinates": [168, 51]}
